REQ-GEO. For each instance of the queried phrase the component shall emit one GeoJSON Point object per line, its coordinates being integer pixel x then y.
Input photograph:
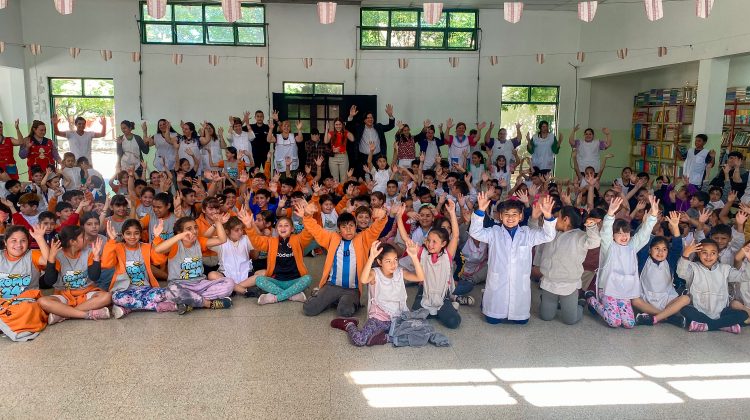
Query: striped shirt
{"type": "Point", "coordinates": [344, 273]}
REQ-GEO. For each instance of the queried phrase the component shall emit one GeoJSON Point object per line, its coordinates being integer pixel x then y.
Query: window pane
{"type": "Point", "coordinates": [292, 110]}
{"type": "Point", "coordinates": [304, 112]}
{"type": "Point", "coordinates": [431, 39]}
{"type": "Point", "coordinates": [402, 39]}
{"type": "Point", "coordinates": [66, 87]}
{"type": "Point", "coordinates": [440, 24]}
{"type": "Point", "coordinates": [252, 15]}
{"type": "Point", "coordinates": [215, 14]}
{"type": "Point", "coordinates": [94, 87]}
{"type": "Point", "coordinates": [329, 89]}
{"type": "Point", "coordinates": [220, 35]}
{"type": "Point", "coordinates": [298, 88]}
{"type": "Point", "coordinates": [374, 38]}
{"type": "Point", "coordinates": [375, 18]}
{"type": "Point", "coordinates": [544, 94]}
{"type": "Point", "coordinates": [404, 18]}
{"type": "Point", "coordinates": [184, 13]}
{"type": "Point", "coordinates": [158, 33]}
{"type": "Point", "coordinates": [333, 110]}
{"type": "Point", "coordinates": [167, 15]}
{"type": "Point", "coordinates": [463, 20]}
{"type": "Point", "coordinates": [190, 34]}
{"type": "Point", "coordinates": [321, 125]}
{"type": "Point", "coordinates": [461, 40]}
{"type": "Point", "coordinates": [515, 94]}
{"type": "Point", "coordinates": [251, 35]}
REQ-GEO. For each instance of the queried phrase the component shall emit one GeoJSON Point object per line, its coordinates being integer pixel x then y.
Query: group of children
{"type": "Point", "coordinates": [179, 240]}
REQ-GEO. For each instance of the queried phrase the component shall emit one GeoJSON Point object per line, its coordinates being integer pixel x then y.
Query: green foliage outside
{"type": "Point", "coordinates": [455, 30]}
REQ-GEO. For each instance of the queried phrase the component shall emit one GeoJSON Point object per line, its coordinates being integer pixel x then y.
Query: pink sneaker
{"type": "Point", "coordinates": [734, 329]}
{"type": "Point", "coordinates": [97, 314]}
{"type": "Point", "coordinates": [166, 307]}
{"type": "Point", "coordinates": [267, 298]}
{"type": "Point", "coordinates": [54, 319]}
{"type": "Point", "coordinates": [299, 297]}
{"type": "Point", "coordinates": [698, 327]}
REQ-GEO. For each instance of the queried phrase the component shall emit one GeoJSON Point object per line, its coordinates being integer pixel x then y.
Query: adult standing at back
{"type": "Point", "coordinates": [543, 148]}
{"type": "Point", "coordinates": [79, 140]}
{"type": "Point", "coordinates": [260, 130]}
{"type": "Point", "coordinates": [7, 159]}
{"type": "Point", "coordinates": [589, 149]}
{"type": "Point", "coordinates": [36, 148]}
{"type": "Point", "coordinates": [367, 132]}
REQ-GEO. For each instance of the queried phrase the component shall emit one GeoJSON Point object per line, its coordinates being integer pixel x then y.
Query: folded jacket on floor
{"type": "Point", "coordinates": [412, 329]}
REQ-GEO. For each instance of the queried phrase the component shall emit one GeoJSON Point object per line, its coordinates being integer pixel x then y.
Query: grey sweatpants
{"type": "Point", "coordinates": [346, 301]}
{"type": "Point", "coordinates": [570, 311]}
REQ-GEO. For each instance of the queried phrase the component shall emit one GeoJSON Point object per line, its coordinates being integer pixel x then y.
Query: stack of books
{"type": "Point", "coordinates": [741, 139]}
{"type": "Point", "coordinates": [741, 94]}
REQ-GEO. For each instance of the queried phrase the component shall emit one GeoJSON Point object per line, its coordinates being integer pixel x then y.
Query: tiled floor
{"type": "Point", "coordinates": [273, 362]}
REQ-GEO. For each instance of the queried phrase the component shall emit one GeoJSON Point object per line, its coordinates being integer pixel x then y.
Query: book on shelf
{"type": "Point", "coordinates": [725, 139]}
{"type": "Point", "coordinates": [741, 139]}
{"type": "Point", "coordinates": [738, 93]}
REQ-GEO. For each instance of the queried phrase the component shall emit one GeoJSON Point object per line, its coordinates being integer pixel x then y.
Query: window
{"type": "Point", "coordinates": [405, 29]}
{"type": "Point", "coordinates": [530, 94]}
{"type": "Point", "coordinates": [203, 24]}
{"type": "Point", "coordinates": [312, 88]}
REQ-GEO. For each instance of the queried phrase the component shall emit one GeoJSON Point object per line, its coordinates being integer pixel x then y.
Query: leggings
{"type": "Point", "coordinates": [727, 318]}
{"type": "Point", "coordinates": [283, 289]}
{"type": "Point", "coordinates": [615, 312]}
{"type": "Point", "coordinates": [447, 314]}
{"type": "Point", "coordinates": [371, 328]}
{"type": "Point", "coordinates": [140, 298]}
{"type": "Point", "coordinates": [570, 311]}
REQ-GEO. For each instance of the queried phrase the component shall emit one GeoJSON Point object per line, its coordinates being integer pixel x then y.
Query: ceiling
{"type": "Point", "coordinates": [474, 4]}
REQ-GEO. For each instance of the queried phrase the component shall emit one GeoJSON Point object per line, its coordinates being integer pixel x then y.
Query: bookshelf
{"type": "Point", "coordinates": [662, 126]}
{"type": "Point", "coordinates": [736, 129]}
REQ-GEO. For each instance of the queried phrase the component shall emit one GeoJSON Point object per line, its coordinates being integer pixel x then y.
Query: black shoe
{"type": "Point", "coordinates": [182, 309]}
{"type": "Point", "coordinates": [644, 319]}
{"type": "Point", "coordinates": [223, 303]}
{"type": "Point", "coordinates": [589, 294]}
{"type": "Point", "coordinates": [252, 292]}
{"type": "Point", "coordinates": [677, 320]}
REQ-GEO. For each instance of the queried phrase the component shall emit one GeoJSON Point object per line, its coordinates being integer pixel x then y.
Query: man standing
{"type": "Point", "coordinates": [260, 129]}
{"type": "Point", "coordinates": [367, 132]}
{"type": "Point", "coordinates": [79, 140]}
{"type": "Point", "coordinates": [696, 161]}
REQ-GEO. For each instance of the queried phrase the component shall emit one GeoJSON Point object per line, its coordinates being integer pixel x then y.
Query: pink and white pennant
{"type": "Point", "coordinates": [260, 61]}
{"type": "Point", "coordinates": [540, 58]}
{"type": "Point", "coordinates": [106, 55]}
{"type": "Point", "coordinates": [349, 63]}
{"type": "Point", "coordinates": [403, 63]}
{"type": "Point", "coordinates": [326, 12]}
{"type": "Point", "coordinates": [432, 12]}
{"type": "Point", "coordinates": [135, 56]}
{"type": "Point", "coordinates": [661, 51]}
{"type": "Point", "coordinates": [35, 49]}
{"type": "Point", "coordinates": [703, 8]}
{"type": "Point", "coordinates": [580, 56]}
{"type": "Point", "coordinates": [156, 8]}
{"type": "Point", "coordinates": [493, 60]}
{"type": "Point", "coordinates": [74, 52]}
{"type": "Point", "coordinates": [2, 47]}
{"type": "Point", "coordinates": [176, 59]}
{"type": "Point", "coordinates": [453, 61]}
{"type": "Point", "coordinates": [3, 4]}
{"type": "Point", "coordinates": [654, 9]}
{"type": "Point", "coordinates": [213, 59]}
{"type": "Point", "coordinates": [232, 10]}
{"type": "Point", "coordinates": [307, 62]}
{"type": "Point", "coordinates": [622, 53]}
{"type": "Point", "coordinates": [587, 10]}
{"type": "Point", "coordinates": [64, 7]}
{"type": "Point", "coordinates": [512, 11]}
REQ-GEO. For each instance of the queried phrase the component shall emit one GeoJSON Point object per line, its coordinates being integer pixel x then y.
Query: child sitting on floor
{"type": "Point", "coordinates": [234, 259]}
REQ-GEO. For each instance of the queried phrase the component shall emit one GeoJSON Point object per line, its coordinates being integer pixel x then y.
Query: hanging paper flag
{"type": "Point", "coordinates": [64, 7]}
{"type": "Point", "coordinates": [74, 52]}
{"type": "Point", "coordinates": [135, 56]}
{"type": "Point", "coordinates": [622, 53]}
{"type": "Point", "coordinates": [349, 63]}
{"type": "Point", "coordinates": [176, 59]}
{"type": "Point", "coordinates": [661, 51]}
{"type": "Point", "coordinates": [156, 8]}
{"type": "Point", "coordinates": [580, 55]}
{"type": "Point", "coordinates": [703, 8]}
{"type": "Point", "coordinates": [403, 63]}
{"type": "Point", "coordinates": [3, 4]}
{"type": "Point", "coordinates": [260, 60]}
{"type": "Point", "coordinates": [493, 60]}
{"type": "Point", "coordinates": [213, 59]}
{"type": "Point", "coordinates": [307, 62]}
{"type": "Point", "coordinates": [326, 12]}
{"type": "Point", "coordinates": [232, 10]}
{"type": "Point", "coordinates": [453, 61]}
{"type": "Point", "coordinates": [587, 10]}
{"type": "Point", "coordinates": [2, 47]}
{"type": "Point", "coordinates": [432, 12]}
{"type": "Point", "coordinates": [540, 58]}
{"type": "Point", "coordinates": [512, 11]}
{"type": "Point", "coordinates": [35, 49]}
{"type": "Point", "coordinates": [654, 9]}
{"type": "Point", "coordinates": [106, 54]}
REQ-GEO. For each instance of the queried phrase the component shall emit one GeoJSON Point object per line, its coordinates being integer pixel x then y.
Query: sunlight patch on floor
{"type": "Point", "coordinates": [441, 376]}
{"type": "Point", "coordinates": [583, 393]}
{"type": "Point", "coordinates": [717, 389]}
{"type": "Point", "coordinates": [437, 396]}
{"type": "Point", "coordinates": [565, 373]}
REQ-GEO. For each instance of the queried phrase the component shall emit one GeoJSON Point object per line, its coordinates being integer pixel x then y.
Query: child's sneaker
{"type": "Point", "coordinates": [119, 312]}
{"type": "Point", "coordinates": [734, 329]}
{"type": "Point", "coordinates": [455, 305]}
{"type": "Point", "coordinates": [54, 319]}
{"type": "Point", "coordinates": [342, 323]}
{"type": "Point", "coordinates": [182, 309]}
{"type": "Point", "coordinates": [314, 292]}
{"type": "Point", "coordinates": [698, 327]}
{"type": "Point", "coordinates": [644, 319]}
{"type": "Point", "coordinates": [678, 320]}
{"type": "Point", "coordinates": [166, 307]}
{"type": "Point", "coordinates": [378, 339]}
{"type": "Point", "coordinates": [97, 314]}
{"type": "Point", "coordinates": [465, 300]}
{"type": "Point", "coordinates": [223, 303]}
{"type": "Point", "coordinates": [252, 292]}
{"type": "Point", "coordinates": [267, 298]}
{"type": "Point", "coordinates": [299, 297]}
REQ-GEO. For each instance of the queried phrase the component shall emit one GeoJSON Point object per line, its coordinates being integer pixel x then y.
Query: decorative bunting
{"type": "Point", "coordinates": [654, 9]}
{"type": "Point", "coordinates": [512, 11]}
{"type": "Point", "coordinates": [349, 63]}
{"type": "Point", "coordinates": [3, 4]}
{"type": "Point", "coordinates": [64, 7]}
{"type": "Point", "coordinates": [403, 63]}
{"type": "Point", "coordinates": [213, 59]}
{"type": "Point", "coordinates": [326, 12]}
{"type": "Point", "coordinates": [135, 56]}
{"type": "Point", "coordinates": [587, 10]}
{"type": "Point", "coordinates": [580, 56]}
{"type": "Point", "coordinates": [307, 62]}
{"type": "Point", "coordinates": [2, 47]}
{"type": "Point", "coordinates": [703, 8]}
{"type": "Point", "coordinates": [259, 60]}
{"type": "Point", "coordinates": [35, 49]}
{"type": "Point", "coordinates": [106, 54]}
{"type": "Point", "coordinates": [156, 8]}
{"type": "Point", "coordinates": [453, 61]}
{"type": "Point", "coordinates": [74, 52]}
{"type": "Point", "coordinates": [432, 12]}
{"type": "Point", "coordinates": [232, 10]}
{"type": "Point", "coordinates": [176, 59]}
{"type": "Point", "coordinates": [493, 60]}
{"type": "Point", "coordinates": [661, 51]}
{"type": "Point", "coordinates": [540, 58]}
{"type": "Point", "coordinates": [622, 53]}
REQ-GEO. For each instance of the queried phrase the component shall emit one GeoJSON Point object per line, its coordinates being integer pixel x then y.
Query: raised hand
{"type": "Point", "coordinates": [379, 213]}
{"type": "Point", "coordinates": [740, 218]}
{"type": "Point", "coordinates": [54, 247]}
{"type": "Point", "coordinates": [483, 201]}
{"type": "Point", "coordinates": [449, 123]}
{"type": "Point", "coordinates": [606, 131]}
{"type": "Point", "coordinates": [375, 250]}
{"type": "Point", "coordinates": [353, 111]}
{"type": "Point", "coordinates": [389, 110]}
{"type": "Point", "coordinates": [111, 232]}
{"type": "Point", "coordinates": [614, 206]}
{"type": "Point", "coordinates": [523, 196]}
{"type": "Point", "coordinates": [37, 232]}
{"type": "Point", "coordinates": [319, 161]}
{"type": "Point", "coordinates": [654, 205]}
{"type": "Point", "coordinates": [245, 217]}
{"type": "Point", "coordinates": [693, 247]}
{"type": "Point", "coordinates": [299, 209]}
{"type": "Point", "coordinates": [97, 245]}
{"type": "Point", "coordinates": [704, 214]}
{"type": "Point", "coordinates": [158, 229]}
{"type": "Point", "coordinates": [299, 126]}
{"type": "Point", "coordinates": [732, 196]}
{"type": "Point", "coordinates": [450, 207]}
{"type": "Point", "coordinates": [545, 205]}
{"type": "Point", "coordinates": [411, 248]}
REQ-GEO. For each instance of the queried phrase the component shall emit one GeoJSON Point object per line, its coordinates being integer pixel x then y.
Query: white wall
{"type": "Point", "coordinates": [10, 33]}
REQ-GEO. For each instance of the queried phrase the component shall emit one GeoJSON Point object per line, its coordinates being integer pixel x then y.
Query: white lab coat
{"type": "Point", "coordinates": [508, 291]}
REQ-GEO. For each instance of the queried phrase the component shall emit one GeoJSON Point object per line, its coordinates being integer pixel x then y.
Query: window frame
{"type": "Point", "coordinates": [174, 23]}
{"type": "Point", "coordinates": [528, 100]}
{"type": "Point", "coordinates": [83, 94]}
{"type": "Point", "coordinates": [314, 84]}
{"type": "Point", "coordinates": [447, 30]}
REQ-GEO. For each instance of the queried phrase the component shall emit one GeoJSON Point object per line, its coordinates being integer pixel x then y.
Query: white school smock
{"type": "Point", "coordinates": [456, 150]}
{"type": "Point", "coordinates": [508, 291]}
{"type": "Point", "coordinates": [164, 150]}
{"type": "Point", "coordinates": [194, 145]}
{"type": "Point", "coordinates": [618, 263]}
{"type": "Point", "coordinates": [80, 145]}
{"type": "Point", "coordinates": [387, 294]}
{"type": "Point", "coordinates": [695, 166]}
{"type": "Point", "coordinates": [242, 141]}
{"type": "Point", "coordinates": [562, 265]}
{"type": "Point", "coordinates": [543, 158]}
{"type": "Point", "coordinates": [234, 259]}
{"type": "Point", "coordinates": [215, 146]}
{"type": "Point", "coordinates": [504, 148]}
{"type": "Point", "coordinates": [657, 284]}
{"type": "Point", "coordinates": [708, 287]}
{"type": "Point", "coordinates": [588, 154]}
{"type": "Point", "coordinates": [286, 147]}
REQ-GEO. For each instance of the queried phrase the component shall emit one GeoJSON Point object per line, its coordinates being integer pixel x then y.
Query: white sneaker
{"type": "Point", "coordinates": [455, 305]}
{"type": "Point", "coordinates": [54, 319]}
{"type": "Point", "coordinates": [299, 297]}
{"type": "Point", "coordinates": [119, 312]}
